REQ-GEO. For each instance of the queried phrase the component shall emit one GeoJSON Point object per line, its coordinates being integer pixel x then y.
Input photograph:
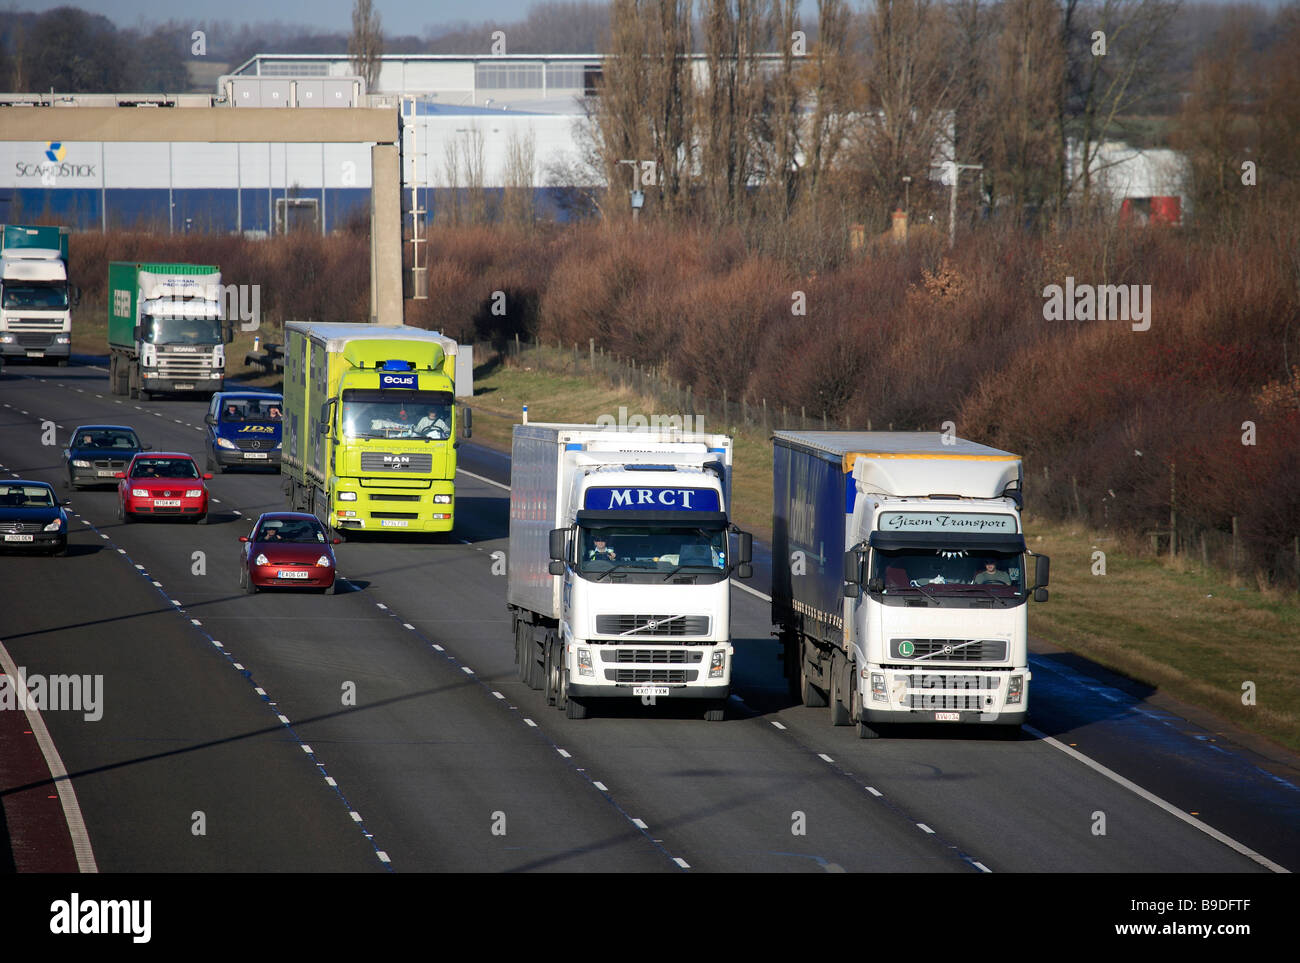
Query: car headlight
{"type": "Point", "coordinates": [347, 496]}
{"type": "Point", "coordinates": [225, 443]}
{"type": "Point", "coordinates": [718, 663]}
{"type": "Point", "coordinates": [584, 662]}
{"type": "Point", "coordinates": [55, 525]}
{"type": "Point", "coordinates": [323, 561]}
{"type": "Point", "coordinates": [442, 499]}
{"type": "Point", "coordinates": [278, 444]}
{"type": "Point", "coordinates": [139, 493]}
{"type": "Point", "coordinates": [80, 463]}
{"type": "Point", "coordinates": [260, 560]}
{"type": "Point", "coordinates": [193, 492]}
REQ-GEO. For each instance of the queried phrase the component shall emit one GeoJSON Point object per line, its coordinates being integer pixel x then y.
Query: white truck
{"type": "Point", "coordinates": [36, 300]}
{"type": "Point", "coordinates": [619, 564]}
{"type": "Point", "coordinates": [905, 597]}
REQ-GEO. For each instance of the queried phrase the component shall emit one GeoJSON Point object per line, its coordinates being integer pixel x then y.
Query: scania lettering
{"type": "Point", "coordinates": [370, 419]}
{"type": "Point", "coordinates": [906, 597]}
{"type": "Point", "coordinates": [619, 566]}
{"type": "Point", "coordinates": [165, 330]}
{"type": "Point", "coordinates": [36, 300]}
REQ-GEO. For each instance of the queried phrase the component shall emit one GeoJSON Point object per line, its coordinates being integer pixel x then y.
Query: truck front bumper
{"type": "Point", "coordinates": [240, 458]}
{"type": "Point", "coordinates": [623, 690]}
{"type": "Point", "coordinates": [36, 351]}
{"type": "Point", "coordinates": [152, 381]}
{"type": "Point", "coordinates": [963, 716]}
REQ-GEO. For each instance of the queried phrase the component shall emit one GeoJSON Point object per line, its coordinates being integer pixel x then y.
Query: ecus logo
{"type": "Point", "coordinates": [55, 151]}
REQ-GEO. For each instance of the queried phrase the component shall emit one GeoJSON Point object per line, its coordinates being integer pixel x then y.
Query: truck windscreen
{"type": "Point", "coordinates": [396, 413]}
{"type": "Point", "coordinates": [948, 572]}
{"type": "Point", "coordinates": [652, 549]}
{"type": "Point", "coordinates": [183, 331]}
{"type": "Point", "coordinates": [52, 296]}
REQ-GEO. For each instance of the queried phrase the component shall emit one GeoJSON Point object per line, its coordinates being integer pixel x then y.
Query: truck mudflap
{"type": "Point", "coordinates": [961, 716]}
{"type": "Point", "coordinates": [628, 690]}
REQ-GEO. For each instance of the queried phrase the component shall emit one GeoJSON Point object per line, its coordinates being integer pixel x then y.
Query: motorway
{"type": "Point", "coordinates": [228, 742]}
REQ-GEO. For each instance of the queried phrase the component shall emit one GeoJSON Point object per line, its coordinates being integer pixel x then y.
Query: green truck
{"type": "Point", "coordinates": [165, 329]}
{"type": "Point", "coordinates": [35, 298]}
{"type": "Point", "coordinates": [369, 425]}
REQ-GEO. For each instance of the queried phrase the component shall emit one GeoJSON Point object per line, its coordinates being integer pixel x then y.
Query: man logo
{"type": "Point", "coordinates": [55, 151]}
{"type": "Point", "coordinates": [397, 459]}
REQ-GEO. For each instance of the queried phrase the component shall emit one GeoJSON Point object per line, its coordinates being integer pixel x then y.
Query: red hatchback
{"type": "Point", "coordinates": [162, 483]}
{"type": "Point", "coordinates": [287, 549]}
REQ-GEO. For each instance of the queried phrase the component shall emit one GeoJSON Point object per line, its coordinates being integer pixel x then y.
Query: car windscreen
{"type": "Point", "coordinates": [237, 410]}
{"type": "Point", "coordinates": [164, 468]}
{"type": "Point", "coordinates": [105, 438]}
{"type": "Point", "coordinates": [300, 532]}
{"type": "Point", "coordinates": [26, 496]}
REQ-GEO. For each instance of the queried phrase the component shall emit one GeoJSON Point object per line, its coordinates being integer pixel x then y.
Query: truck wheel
{"type": "Point", "coordinates": [521, 651]}
{"type": "Point", "coordinates": [536, 662]}
{"type": "Point", "coordinates": [809, 693]}
{"type": "Point", "coordinates": [62, 362]}
{"type": "Point", "coordinates": [551, 669]}
{"type": "Point", "coordinates": [716, 711]}
{"type": "Point", "coordinates": [867, 732]}
{"type": "Point", "coordinates": [576, 708]}
{"type": "Point", "coordinates": [839, 714]}
{"type": "Point", "coordinates": [144, 395]}
{"type": "Point", "coordinates": [855, 713]}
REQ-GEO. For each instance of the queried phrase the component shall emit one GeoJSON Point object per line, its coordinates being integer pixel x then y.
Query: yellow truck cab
{"type": "Point", "coordinates": [369, 426]}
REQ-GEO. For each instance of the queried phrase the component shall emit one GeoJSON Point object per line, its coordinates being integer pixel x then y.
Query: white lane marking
{"type": "Point", "coordinates": [599, 785]}
{"type": "Point", "coordinates": [157, 584]}
{"type": "Point", "coordinates": [239, 513]}
{"type": "Point", "coordinates": [681, 862]}
{"type": "Point", "coordinates": [1157, 801]}
{"type": "Point", "coordinates": [408, 625]}
{"type": "Point", "coordinates": [924, 828]}
{"type": "Point", "coordinates": [438, 647]}
{"type": "Point", "coordinates": [639, 824]}
{"type": "Point", "coordinates": [562, 752]}
{"type": "Point", "coordinates": [382, 606]}
{"type": "Point", "coordinates": [195, 622]}
{"type": "Point", "coordinates": [745, 588]}
{"type": "Point", "coordinates": [175, 603]}
{"type": "Point", "coordinates": [329, 781]}
{"type": "Point", "coordinates": [238, 666]}
{"type": "Point", "coordinates": [874, 791]}
{"type": "Point", "coordinates": [467, 670]}
{"type": "Point", "coordinates": [462, 471]}
{"type": "Point", "coordinates": [825, 758]}
{"type": "Point", "coordinates": [981, 867]}
{"type": "Point", "coordinates": [497, 694]}
{"type": "Point", "coordinates": [139, 566]}
{"type": "Point", "coordinates": [220, 646]}
{"type": "Point", "coordinates": [307, 749]}
{"type": "Point", "coordinates": [259, 690]}
{"type": "Point", "coordinates": [777, 724]}
{"type": "Point", "coordinates": [531, 723]}
{"type": "Point", "coordinates": [283, 718]}
{"type": "Point", "coordinates": [58, 772]}
{"type": "Point", "coordinates": [383, 856]}
{"type": "Point", "coordinates": [356, 816]}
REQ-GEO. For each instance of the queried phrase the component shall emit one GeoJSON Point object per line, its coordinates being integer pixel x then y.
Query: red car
{"type": "Point", "coordinates": [287, 549]}
{"type": "Point", "coordinates": [162, 483]}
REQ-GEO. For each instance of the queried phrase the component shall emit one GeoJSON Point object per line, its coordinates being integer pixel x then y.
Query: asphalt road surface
{"type": "Point", "coordinates": [383, 729]}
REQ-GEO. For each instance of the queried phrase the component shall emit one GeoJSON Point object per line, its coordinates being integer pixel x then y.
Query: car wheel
{"type": "Point", "coordinates": [333, 587]}
{"type": "Point", "coordinates": [202, 519]}
{"type": "Point", "coordinates": [246, 581]}
{"type": "Point", "coordinates": [61, 551]}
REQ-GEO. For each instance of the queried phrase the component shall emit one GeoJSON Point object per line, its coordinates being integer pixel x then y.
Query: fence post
{"type": "Point", "coordinates": [803, 419]}
{"type": "Point", "coordinates": [1173, 515]}
{"type": "Point", "coordinates": [1205, 555]}
{"type": "Point", "coordinates": [765, 425]}
{"type": "Point", "coordinates": [591, 350]}
{"type": "Point", "coordinates": [516, 351]}
{"type": "Point", "coordinates": [1074, 483]}
{"type": "Point", "coordinates": [1232, 569]}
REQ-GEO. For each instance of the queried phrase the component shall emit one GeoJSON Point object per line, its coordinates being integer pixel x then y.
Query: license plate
{"type": "Point", "coordinates": [649, 690]}
{"type": "Point", "coordinates": [166, 503]}
{"type": "Point", "coordinates": [947, 717]}
{"type": "Point", "coordinates": [106, 474]}
{"type": "Point", "coordinates": [36, 354]}
{"type": "Point", "coordinates": [256, 454]}
{"type": "Point", "coordinates": [18, 538]}
{"type": "Point", "coordinates": [184, 387]}
{"type": "Point", "coordinates": [394, 522]}
{"type": "Point", "coordinates": [292, 574]}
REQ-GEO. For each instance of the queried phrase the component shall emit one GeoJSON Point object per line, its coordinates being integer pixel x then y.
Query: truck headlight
{"type": "Point", "coordinates": [7, 339]}
{"type": "Point", "coordinates": [80, 463]}
{"type": "Point", "coordinates": [718, 663]}
{"type": "Point", "coordinates": [260, 560]}
{"type": "Point", "coordinates": [139, 493]}
{"type": "Point", "coordinates": [63, 339]}
{"type": "Point", "coordinates": [55, 525]}
{"type": "Point", "coordinates": [1015, 690]}
{"type": "Point", "coordinates": [584, 662]}
{"type": "Point", "coordinates": [878, 693]}
{"type": "Point", "coordinates": [225, 443]}
{"type": "Point", "coordinates": [442, 499]}
{"type": "Point", "coordinates": [194, 493]}
{"type": "Point", "coordinates": [347, 496]}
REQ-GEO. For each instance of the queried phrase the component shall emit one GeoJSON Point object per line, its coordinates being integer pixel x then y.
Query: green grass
{"type": "Point", "coordinates": [1182, 631]}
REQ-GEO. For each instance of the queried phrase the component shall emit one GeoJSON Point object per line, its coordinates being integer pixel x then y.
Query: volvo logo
{"type": "Point", "coordinates": [947, 650]}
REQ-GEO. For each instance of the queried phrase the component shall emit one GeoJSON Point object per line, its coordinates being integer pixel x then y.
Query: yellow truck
{"type": "Point", "coordinates": [369, 425]}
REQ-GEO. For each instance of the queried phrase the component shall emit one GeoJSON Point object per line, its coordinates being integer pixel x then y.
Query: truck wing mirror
{"type": "Point", "coordinates": [74, 295]}
{"type": "Point", "coordinates": [557, 545]}
{"type": "Point", "coordinates": [1040, 594]}
{"type": "Point", "coordinates": [210, 419]}
{"type": "Point", "coordinates": [139, 332]}
{"type": "Point", "coordinates": [851, 573]}
{"type": "Point", "coordinates": [467, 422]}
{"type": "Point", "coordinates": [555, 567]}
{"type": "Point", "coordinates": [744, 570]}
{"type": "Point", "coordinates": [876, 585]}
{"type": "Point", "coordinates": [852, 590]}
{"type": "Point", "coordinates": [1042, 569]}
{"type": "Point", "coordinates": [228, 331]}
{"type": "Point", "coordinates": [746, 549]}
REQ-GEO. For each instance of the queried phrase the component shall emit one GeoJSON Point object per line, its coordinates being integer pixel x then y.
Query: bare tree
{"type": "Point", "coordinates": [519, 180]}
{"type": "Point", "coordinates": [729, 103]}
{"type": "Point", "coordinates": [366, 45]}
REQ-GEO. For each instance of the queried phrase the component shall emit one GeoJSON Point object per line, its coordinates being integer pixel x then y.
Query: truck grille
{"type": "Point", "coordinates": [650, 655]}
{"type": "Point", "coordinates": [394, 515]}
{"type": "Point", "coordinates": [983, 650]}
{"type": "Point", "coordinates": [975, 691]}
{"type": "Point", "coordinates": [652, 625]}
{"type": "Point", "coordinates": [18, 325]}
{"type": "Point", "coordinates": [944, 680]}
{"type": "Point", "coordinates": [947, 700]}
{"type": "Point", "coordinates": [651, 675]}
{"type": "Point", "coordinates": [21, 528]}
{"type": "Point", "coordinates": [185, 366]}
{"type": "Point", "coordinates": [34, 340]}
{"type": "Point", "coordinates": [392, 461]}
{"type": "Point", "coordinates": [394, 498]}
